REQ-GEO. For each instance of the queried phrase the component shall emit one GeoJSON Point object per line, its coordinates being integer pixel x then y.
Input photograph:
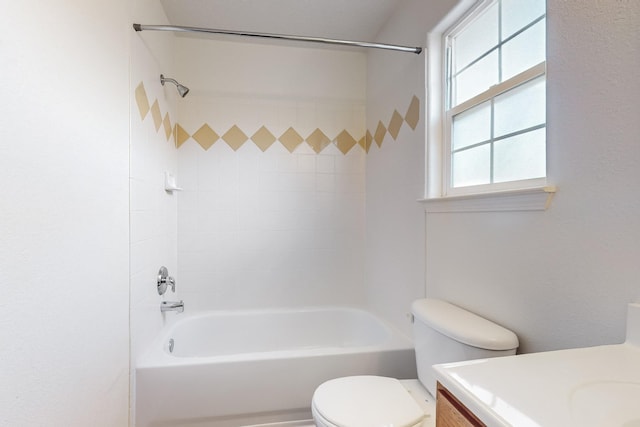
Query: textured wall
{"type": "Point", "coordinates": [562, 278]}
{"type": "Point", "coordinates": [394, 268]}
{"type": "Point", "coordinates": [64, 233]}
{"type": "Point", "coordinates": [559, 278]}
{"type": "Point", "coordinates": [153, 211]}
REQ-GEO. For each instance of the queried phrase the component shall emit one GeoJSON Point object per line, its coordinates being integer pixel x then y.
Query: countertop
{"type": "Point", "coordinates": [585, 387]}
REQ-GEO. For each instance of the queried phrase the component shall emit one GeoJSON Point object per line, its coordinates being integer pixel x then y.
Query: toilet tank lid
{"type": "Point", "coordinates": [463, 326]}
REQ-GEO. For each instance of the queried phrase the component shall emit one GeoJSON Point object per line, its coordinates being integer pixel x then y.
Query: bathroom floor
{"type": "Point", "coordinates": [302, 423]}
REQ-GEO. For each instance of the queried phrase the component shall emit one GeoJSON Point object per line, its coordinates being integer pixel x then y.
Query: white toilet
{"type": "Point", "coordinates": [442, 333]}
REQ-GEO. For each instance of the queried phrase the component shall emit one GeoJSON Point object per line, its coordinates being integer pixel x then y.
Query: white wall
{"type": "Point", "coordinates": [274, 227]}
{"type": "Point", "coordinates": [560, 278]}
{"type": "Point", "coordinates": [394, 251]}
{"type": "Point", "coordinates": [64, 216]}
{"type": "Point", "coordinates": [153, 211]}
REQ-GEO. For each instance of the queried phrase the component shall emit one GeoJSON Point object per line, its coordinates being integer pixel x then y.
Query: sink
{"type": "Point", "coordinates": [606, 403]}
{"type": "Point", "coordinates": [580, 387]}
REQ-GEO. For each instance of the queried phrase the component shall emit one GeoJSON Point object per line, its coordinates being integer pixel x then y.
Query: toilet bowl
{"type": "Point", "coordinates": [442, 333]}
{"type": "Point", "coordinates": [371, 401]}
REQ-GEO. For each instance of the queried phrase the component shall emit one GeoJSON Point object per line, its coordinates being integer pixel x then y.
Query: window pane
{"type": "Point", "coordinates": [520, 108]}
{"type": "Point", "coordinates": [472, 126]}
{"type": "Point", "coordinates": [524, 51]}
{"type": "Point", "coordinates": [518, 13]}
{"type": "Point", "coordinates": [477, 38]}
{"type": "Point", "coordinates": [520, 157]}
{"type": "Point", "coordinates": [477, 78]}
{"type": "Point", "coordinates": [472, 166]}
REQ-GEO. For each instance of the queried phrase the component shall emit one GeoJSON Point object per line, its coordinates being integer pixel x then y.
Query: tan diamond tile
{"type": "Point", "coordinates": [156, 114]}
{"type": "Point", "coordinates": [318, 141]}
{"type": "Point", "coordinates": [368, 139]}
{"type": "Point", "coordinates": [395, 124]}
{"type": "Point", "coordinates": [345, 141]}
{"type": "Point", "coordinates": [167, 126]}
{"type": "Point", "coordinates": [235, 137]}
{"type": "Point", "coordinates": [381, 131]}
{"type": "Point", "coordinates": [263, 138]}
{"type": "Point", "coordinates": [413, 113]}
{"type": "Point", "coordinates": [362, 142]}
{"type": "Point", "coordinates": [205, 136]}
{"type": "Point", "coordinates": [180, 136]}
{"type": "Point", "coordinates": [142, 101]}
{"type": "Point", "coordinates": [291, 139]}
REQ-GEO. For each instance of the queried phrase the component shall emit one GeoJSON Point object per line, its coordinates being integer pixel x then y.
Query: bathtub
{"type": "Point", "coordinates": [231, 369]}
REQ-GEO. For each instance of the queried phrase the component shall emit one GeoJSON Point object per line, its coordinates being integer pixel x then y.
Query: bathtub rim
{"type": "Point", "coordinates": [157, 355]}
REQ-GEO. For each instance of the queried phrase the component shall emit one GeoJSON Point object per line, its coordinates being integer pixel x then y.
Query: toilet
{"type": "Point", "coordinates": [442, 333]}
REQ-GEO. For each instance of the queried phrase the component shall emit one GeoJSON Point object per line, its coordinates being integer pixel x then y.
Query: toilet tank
{"type": "Point", "coordinates": [444, 333]}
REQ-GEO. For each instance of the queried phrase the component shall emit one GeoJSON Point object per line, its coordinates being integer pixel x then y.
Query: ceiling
{"type": "Point", "coordinates": [359, 20]}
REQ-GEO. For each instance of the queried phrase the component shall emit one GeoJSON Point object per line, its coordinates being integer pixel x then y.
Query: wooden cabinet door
{"type": "Point", "coordinates": [451, 413]}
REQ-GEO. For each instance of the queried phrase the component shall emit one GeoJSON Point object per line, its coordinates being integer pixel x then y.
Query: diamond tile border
{"type": "Point", "coordinates": [395, 124]}
{"type": "Point", "coordinates": [318, 141]}
{"type": "Point", "coordinates": [142, 101]}
{"type": "Point", "coordinates": [263, 138]}
{"type": "Point", "coordinates": [235, 137]}
{"type": "Point", "coordinates": [205, 136]}
{"type": "Point", "coordinates": [162, 123]}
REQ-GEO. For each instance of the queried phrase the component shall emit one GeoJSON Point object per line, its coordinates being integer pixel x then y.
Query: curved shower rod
{"type": "Point", "coordinates": [176, 28]}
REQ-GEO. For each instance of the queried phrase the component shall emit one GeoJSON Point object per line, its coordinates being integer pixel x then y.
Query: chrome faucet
{"type": "Point", "coordinates": [172, 306]}
{"type": "Point", "coordinates": [165, 281]}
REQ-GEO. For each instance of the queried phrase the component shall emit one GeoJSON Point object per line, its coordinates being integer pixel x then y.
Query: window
{"type": "Point", "coordinates": [495, 98]}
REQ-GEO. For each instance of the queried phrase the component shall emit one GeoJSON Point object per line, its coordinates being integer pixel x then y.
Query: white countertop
{"type": "Point", "coordinates": [584, 387]}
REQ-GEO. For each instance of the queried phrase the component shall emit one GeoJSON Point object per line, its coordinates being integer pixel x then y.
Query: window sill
{"type": "Point", "coordinates": [529, 199]}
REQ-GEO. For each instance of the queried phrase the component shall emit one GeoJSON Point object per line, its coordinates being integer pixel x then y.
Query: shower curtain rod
{"type": "Point", "coordinates": [176, 28]}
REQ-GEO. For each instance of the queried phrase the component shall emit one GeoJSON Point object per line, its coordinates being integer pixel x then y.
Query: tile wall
{"type": "Point", "coordinates": [272, 211]}
{"type": "Point", "coordinates": [153, 211]}
{"type": "Point", "coordinates": [272, 158]}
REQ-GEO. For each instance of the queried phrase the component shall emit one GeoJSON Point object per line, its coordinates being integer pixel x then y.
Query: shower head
{"type": "Point", "coordinates": [182, 90]}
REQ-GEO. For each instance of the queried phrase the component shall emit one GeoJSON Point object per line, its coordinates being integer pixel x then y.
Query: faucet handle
{"type": "Point", "coordinates": [172, 283]}
{"type": "Point", "coordinates": [164, 281]}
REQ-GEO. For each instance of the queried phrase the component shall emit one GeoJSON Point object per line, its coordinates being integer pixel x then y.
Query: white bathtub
{"type": "Point", "coordinates": [231, 369]}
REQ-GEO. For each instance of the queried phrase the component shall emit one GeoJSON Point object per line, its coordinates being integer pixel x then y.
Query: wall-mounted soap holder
{"type": "Point", "coordinates": [165, 281]}
{"type": "Point", "coordinates": [170, 183]}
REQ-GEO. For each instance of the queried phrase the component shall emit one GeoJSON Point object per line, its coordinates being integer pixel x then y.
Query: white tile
{"type": "Point", "coordinates": [217, 200]}
{"type": "Point", "coordinates": [287, 115]}
{"type": "Point", "coordinates": [143, 255]}
{"type": "Point", "coordinates": [353, 183]}
{"type": "Point", "coordinates": [352, 163]}
{"type": "Point", "coordinates": [144, 196]}
{"type": "Point", "coordinates": [325, 163]}
{"type": "Point", "coordinates": [188, 221]}
{"type": "Point", "coordinates": [304, 149]}
{"type": "Point", "coordinates": [197, 261]}
{"type": "Point", "coordinates": [287, 163]}
{"type": "Point", "coordinates": [298, 182]}
{"type": "Point", "coordinates": [326, 183]}
{"type": "Point", "coordinates": [306, 163]}
{"type": "Point", "coordinates": [268, 162]}
{"type": "Point", "coordinates": [306, 121]}
{"type": "Point", "coordinates": [187, 175]}
{"type": "Point", "coordinates": [269, 182]}
{"type": "Point", "coordinates": [187, 200]}
{"type": "Point", "coordinates": [144, 225]}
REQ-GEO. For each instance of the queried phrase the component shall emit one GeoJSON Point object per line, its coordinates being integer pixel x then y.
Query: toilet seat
{"type": "Point", "coordinates": [365, 401]}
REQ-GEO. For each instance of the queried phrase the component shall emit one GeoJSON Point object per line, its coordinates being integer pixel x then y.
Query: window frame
{"type": "Point", "coordinates": [448, 113]}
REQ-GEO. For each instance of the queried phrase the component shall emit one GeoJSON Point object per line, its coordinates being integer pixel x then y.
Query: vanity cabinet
{"type": "Point", "coordinates": [450, 412]}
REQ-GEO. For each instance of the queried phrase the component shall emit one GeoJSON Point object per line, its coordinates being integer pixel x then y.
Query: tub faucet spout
{"type": "Point", "coordinates": [172, 306]}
